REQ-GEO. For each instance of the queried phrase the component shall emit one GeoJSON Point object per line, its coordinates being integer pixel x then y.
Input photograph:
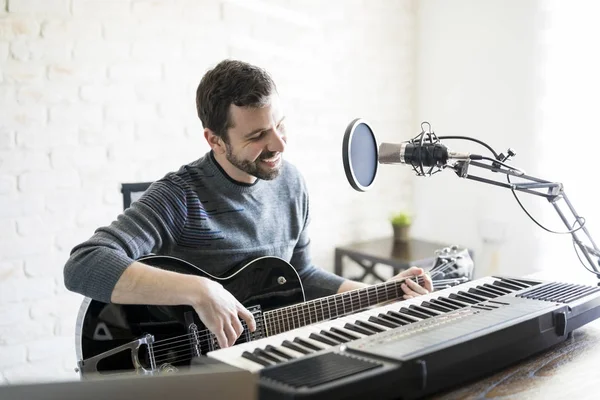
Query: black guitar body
{"type": "Point", "coordinates": [263, 284]}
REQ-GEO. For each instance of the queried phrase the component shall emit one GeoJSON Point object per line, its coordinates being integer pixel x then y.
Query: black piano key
{"type": "Point", "coordinates": [364, 324]}
{"type": "Point", "coordinates": [472, 296]}
{"type": "Point", "coordinates": [383, 322]}
{"type": "Point", "coordinates": [458, 303]}
{"type": "Point", "coordinates": [436, 307]}
{"type": "Point", "coordinates": [334, 336]}
{"type": "Point", "coordinates": [249, 356]}
{"type": "Point", "coordinates": [276, 351]}
{"type": "Point", "coordinates": [295, 347]}
{"type": "Point", "coordinates": [482, 292]}
{"type": "Point", "coordinates": [355, 328]}
{"type": "Point", "coordinates": [424, 310]}
{"type": "Point", "coordinates": [414, 313]}
{"type": "Point", "coordinates": [307, 344]}
{"type": "Point", "coordinates": [393, 319]}
{"type": "Point", "coordinates": [511, 287]}
{"type": "Point", "coordinates": [408, 318]}
{"type": "Point", "coordinates": [440, 302]}
{"type": "Point", "coordinates": [344, 333]}
{"type": "Point", "coordinates": [462, 298]}
{"type": "Point", "coordinates": [500, 290]}
{"type": "Point", "coordinates": [320, 338]}
{"type": "Point", "coordinates": [516, 282]}
{"type": "Point", "coordinates": [263, 354]}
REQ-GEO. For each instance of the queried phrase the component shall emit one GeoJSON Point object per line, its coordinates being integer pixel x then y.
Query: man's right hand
{"type": "Point", "coordinates": [221, 312]}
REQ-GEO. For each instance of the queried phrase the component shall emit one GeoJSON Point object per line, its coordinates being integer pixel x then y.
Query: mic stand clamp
{"type": "Point", "coordinates": [554, 193]}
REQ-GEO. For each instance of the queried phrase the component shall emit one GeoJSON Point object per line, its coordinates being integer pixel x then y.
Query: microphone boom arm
{"type": "Point", "coordinates": [554, 193]}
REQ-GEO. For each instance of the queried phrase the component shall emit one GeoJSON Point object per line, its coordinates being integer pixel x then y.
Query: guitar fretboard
{"type": "Point", "coordinates": [325, 308]}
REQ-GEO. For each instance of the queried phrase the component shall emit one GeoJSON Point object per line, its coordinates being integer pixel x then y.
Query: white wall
{"type": "Point", "coordinates": [478, 76]}
{"type": "Point", "coordinates": [520, 74]}
{"type": "Point", "coordinates": [94, 93]}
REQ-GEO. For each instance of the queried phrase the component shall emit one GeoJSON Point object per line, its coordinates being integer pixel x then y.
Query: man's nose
{"type": "Point", "coordinates": [277, 142]}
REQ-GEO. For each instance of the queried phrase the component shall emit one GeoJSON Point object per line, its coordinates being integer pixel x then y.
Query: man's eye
{"type": "Point", "coordinates": [257, 137]}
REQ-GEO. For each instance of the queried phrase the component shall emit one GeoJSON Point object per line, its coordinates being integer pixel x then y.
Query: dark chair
{"type": "Point", "coordinates": [133, 191]}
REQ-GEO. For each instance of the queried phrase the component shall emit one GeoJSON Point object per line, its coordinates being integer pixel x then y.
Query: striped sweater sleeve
{"type": "Point", "coordinates": [151, 224]}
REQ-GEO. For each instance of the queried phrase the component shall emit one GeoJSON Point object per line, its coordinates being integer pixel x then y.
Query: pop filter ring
{"type": "Point", "coordinates": [346, 155]}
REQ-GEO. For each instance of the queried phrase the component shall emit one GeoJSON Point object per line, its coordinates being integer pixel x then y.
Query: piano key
{"type": "Point", "coordinates": [263, 354]}
{"type": "Point", "coordinates": [472, 296]}
{"type": "Point", "coordinates": [383, 322]}
{"type": "Point", "coordinates": [323, 339]}
{"type": "Point", "coordinates": [408, 318]}
{"type": "Point", "coordinates": [339, 338]}
{"type": "Point", "coordinates": [512, 287]}
{"type": "Point", "coordinates": [295, 347]}
{"type": "Point", "coordinates": [367, 325]}
{"type": "Point", "coordinates": [392, 319]}
{"type": "Point", "coordinates": [309, 344]}
{"type": "Point", "coordinates": [278, 352]}
{"type": "Point", "coordinates": [414, 313]}
{"type": "Point", "coordinates": [358, 329]}
{"type": "Point", "coordinates": [438, 307]}
{"type": "Point", "coordinates": [424, 310]}
{"type": "Point", "coordinates": [454, 302]}
{"type": "Point", "coordinates": [516, 282]}
{"type": "Point", "coordinates": [249, 356]}
{"type": "Point", "coordinates": [482, 292]}
{"type": "Point", "coordinates": [462, 298]}
{"type": "Point", "coordinates": [343, 332]}
{"type": "Point", "coordinates": [500, 290]}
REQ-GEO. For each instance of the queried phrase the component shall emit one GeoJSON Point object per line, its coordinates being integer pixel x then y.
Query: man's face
{"type": "Point", "coordinates": [256, 140]}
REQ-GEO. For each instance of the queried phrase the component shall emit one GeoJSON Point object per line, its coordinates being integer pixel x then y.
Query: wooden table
{"type": "Point", "coordinates": [570, 370]}
{"type": "Point", "coordinates": [397, 255]}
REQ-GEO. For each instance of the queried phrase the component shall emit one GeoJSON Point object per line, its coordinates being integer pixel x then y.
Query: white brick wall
{"type": "Point", "coordinates": [94, 93]}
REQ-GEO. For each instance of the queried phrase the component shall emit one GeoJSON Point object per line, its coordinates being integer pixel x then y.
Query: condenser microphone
{"type": "Point", "coordinates": [361, 154]}
{"type": "Point", "coordinates": [418, 154]}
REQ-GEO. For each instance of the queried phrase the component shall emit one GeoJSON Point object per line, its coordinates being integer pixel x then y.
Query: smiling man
{"type": "Point", "coordinates": [238, 202]}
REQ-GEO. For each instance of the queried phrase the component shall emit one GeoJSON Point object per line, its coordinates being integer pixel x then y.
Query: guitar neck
{"type": "Point", "coordinates": [330, 307]}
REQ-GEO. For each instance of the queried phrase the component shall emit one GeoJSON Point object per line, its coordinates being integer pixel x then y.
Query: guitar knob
{"type": "Point", "coordinates": [281, 280]}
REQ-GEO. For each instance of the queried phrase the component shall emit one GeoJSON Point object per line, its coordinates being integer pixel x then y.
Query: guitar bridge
{"type": "Point", "coordinates": [90, 365]}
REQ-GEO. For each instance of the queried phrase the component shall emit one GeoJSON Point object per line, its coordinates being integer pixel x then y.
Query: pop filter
{"type": "Point", "coordinates": [360, 154]}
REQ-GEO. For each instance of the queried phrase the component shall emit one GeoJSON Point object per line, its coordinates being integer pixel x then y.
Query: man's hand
{"type": "Point", "coordinates": [221, 312]}
{"type": "Point", "coordinates": [410, 288]}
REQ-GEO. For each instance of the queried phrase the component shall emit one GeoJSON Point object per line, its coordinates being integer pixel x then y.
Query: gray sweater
{"type": "Point", "coordinates": [201, 215]}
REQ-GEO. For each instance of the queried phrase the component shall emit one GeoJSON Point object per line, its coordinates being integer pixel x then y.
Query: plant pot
{"type": "Point", "coordinates": [401, 233]}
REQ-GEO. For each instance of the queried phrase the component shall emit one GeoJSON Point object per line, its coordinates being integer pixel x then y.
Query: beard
{"type": "Point", "coordinates": [255, 168]}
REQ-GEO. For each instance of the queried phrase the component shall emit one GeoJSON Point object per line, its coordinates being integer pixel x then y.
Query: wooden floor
{"type": "Point", "coordinates": [571, 371]}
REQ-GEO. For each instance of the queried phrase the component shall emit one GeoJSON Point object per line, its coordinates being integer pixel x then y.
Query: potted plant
{"type": "Point", "coordinates": [401, 222]}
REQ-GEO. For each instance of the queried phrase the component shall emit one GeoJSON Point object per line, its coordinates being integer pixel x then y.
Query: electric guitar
{"type": "Point", "coordinates": [149, 339]}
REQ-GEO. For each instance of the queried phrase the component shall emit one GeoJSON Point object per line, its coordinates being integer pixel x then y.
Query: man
{"type": "Point", "coordinates": [238, 202]}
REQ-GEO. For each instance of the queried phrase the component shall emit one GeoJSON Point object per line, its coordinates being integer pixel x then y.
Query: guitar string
{"type": "Point", "coordinates": [173, 356]}
{"type": "Point", "coordinates": [279, 320]}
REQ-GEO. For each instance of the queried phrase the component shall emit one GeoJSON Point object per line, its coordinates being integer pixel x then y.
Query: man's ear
{"type": "Point", "coordinates": [215, 142]}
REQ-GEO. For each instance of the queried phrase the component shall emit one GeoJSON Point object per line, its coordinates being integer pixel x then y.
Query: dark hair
{"type": "Point", "coordinates": [230, 82]}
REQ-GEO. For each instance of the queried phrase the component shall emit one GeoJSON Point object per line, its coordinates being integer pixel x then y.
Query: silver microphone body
{"type": "Point", "coordinates": [426, 155]}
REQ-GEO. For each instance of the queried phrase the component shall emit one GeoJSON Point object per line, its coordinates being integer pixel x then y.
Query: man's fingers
{"type": "Point", "coordinates": [230, 333]}
{"type": "Point", "coordinates": [237, 326]}
{"type": "Point", "coordinates": [221, 338]}
{"type": "Point", "coordinates": [427, 282]}
{"type": "Point", "coordinates": [415, 287]}
{"type": "Point", "coordinates": [248, 317]}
